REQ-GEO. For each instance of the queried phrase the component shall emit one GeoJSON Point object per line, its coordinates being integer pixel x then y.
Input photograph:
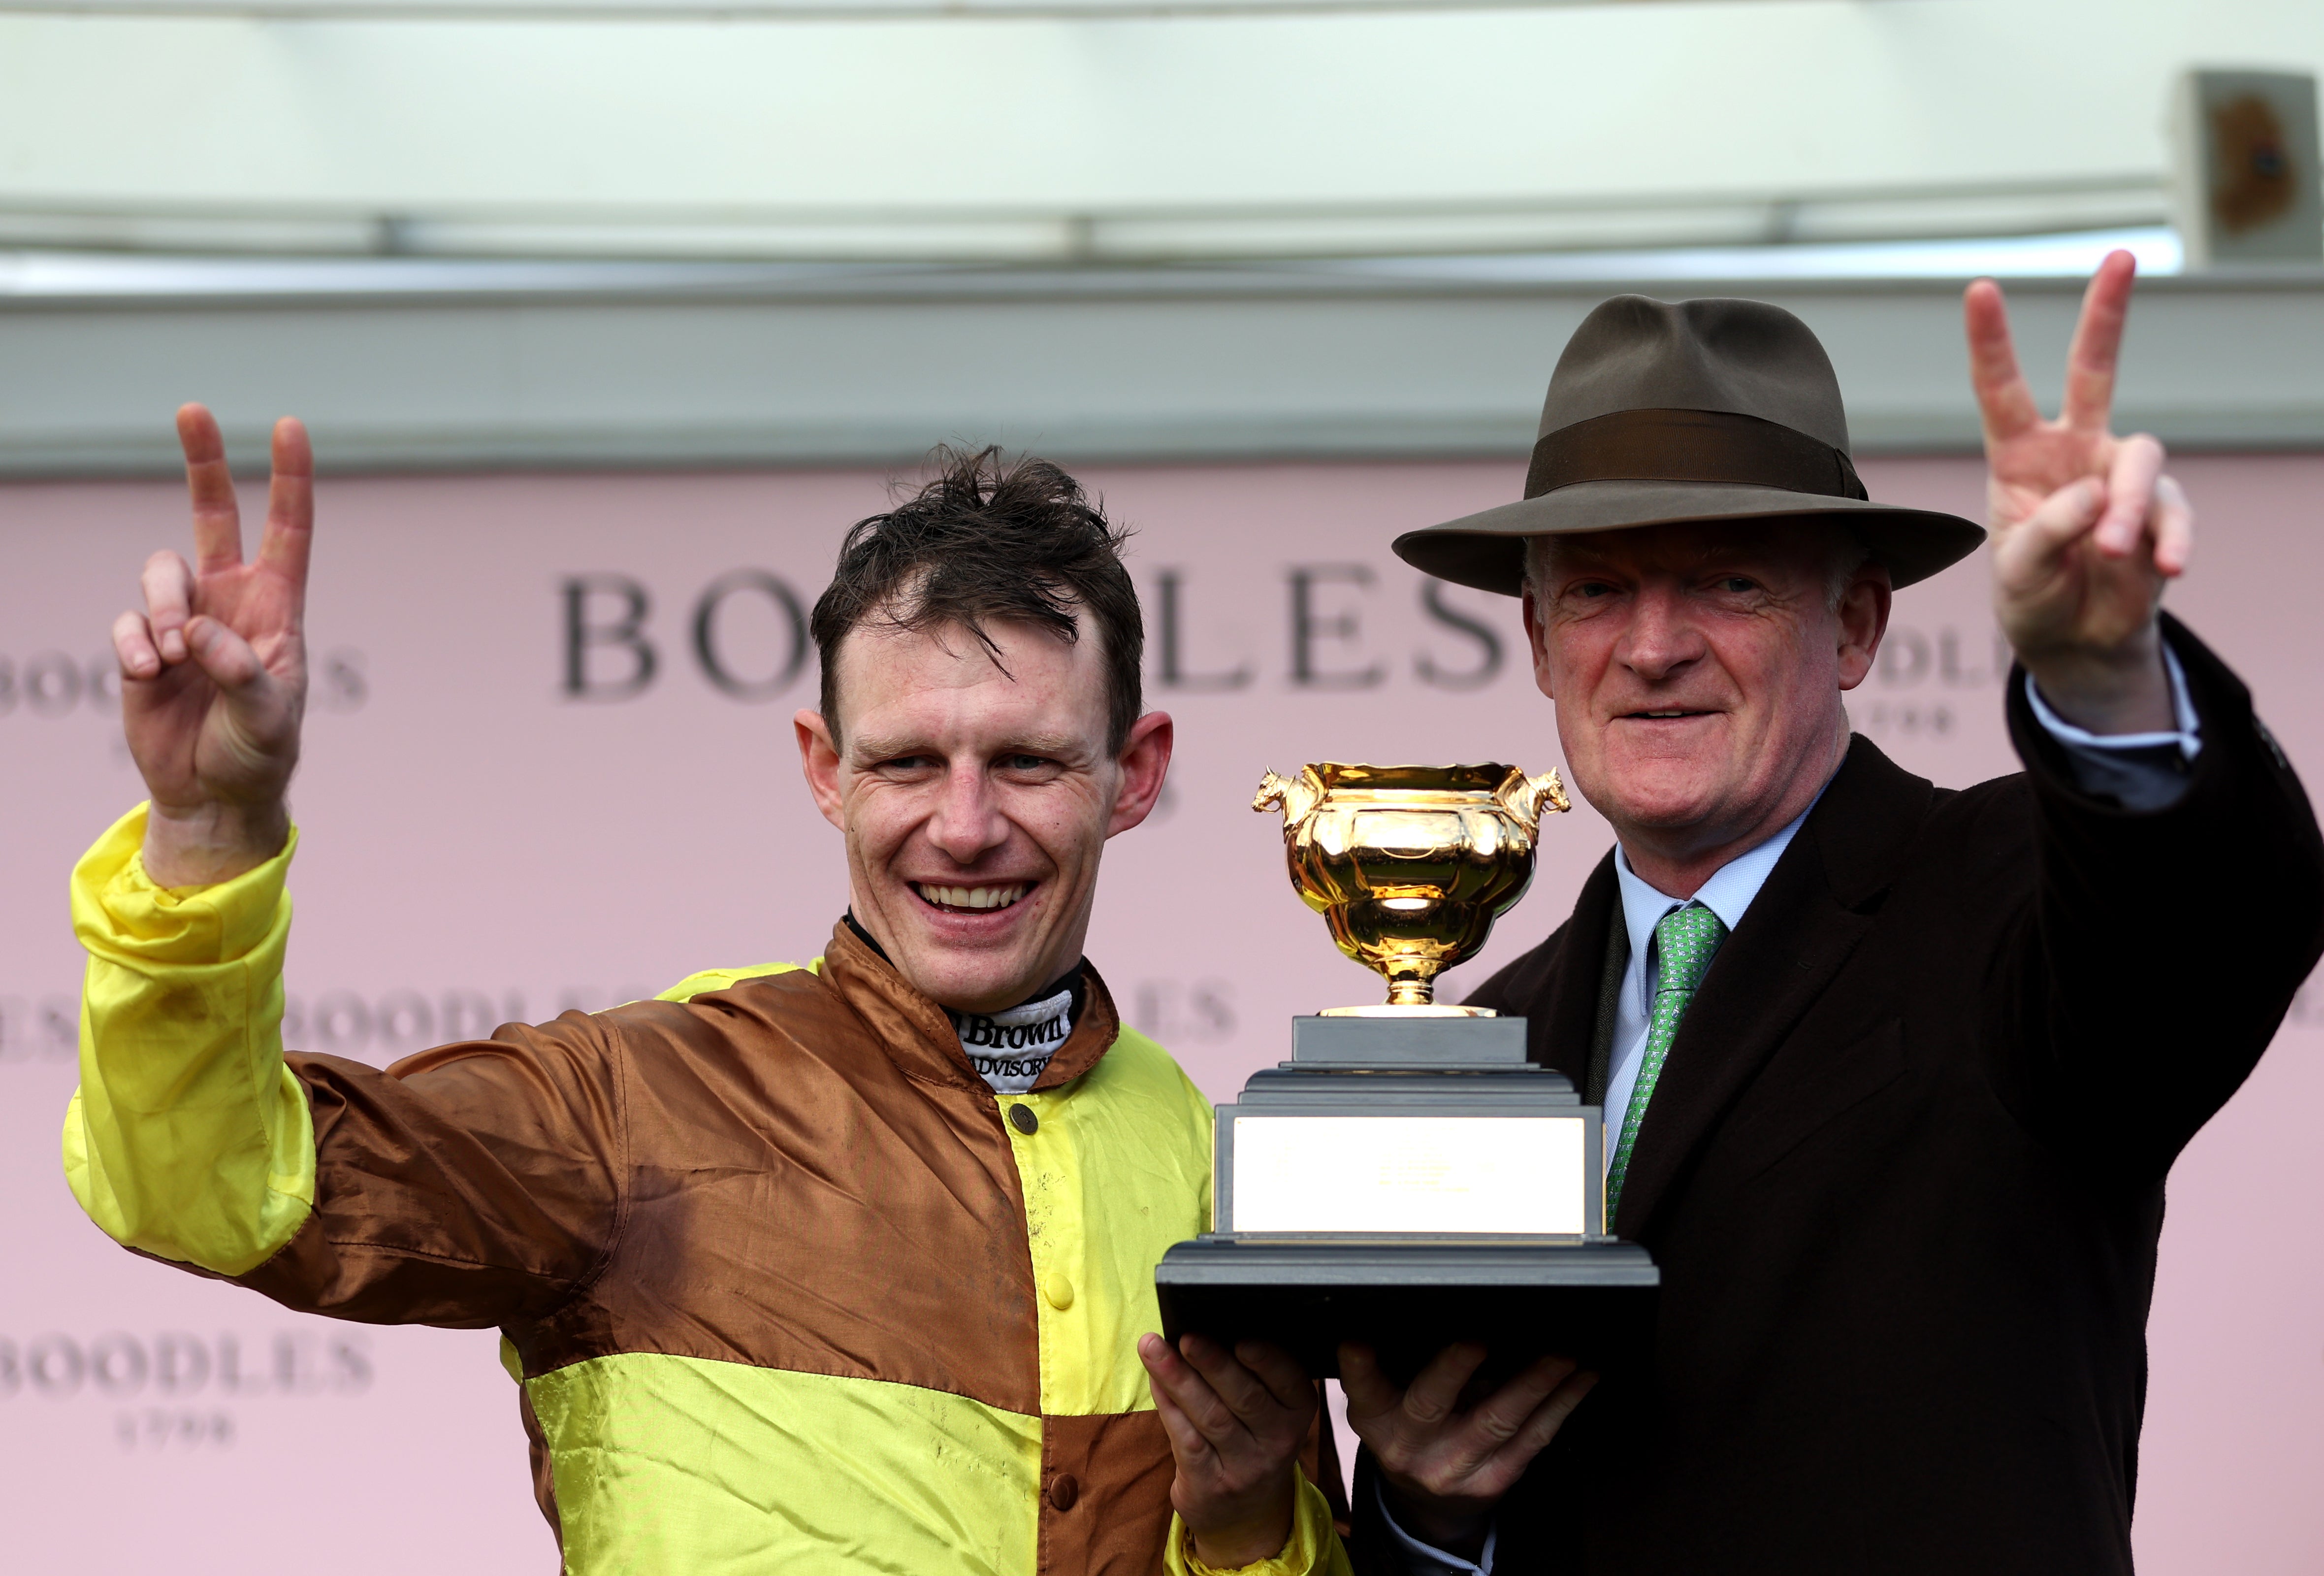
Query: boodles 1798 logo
{"type": "Point", "coordinates": [173, 1389]}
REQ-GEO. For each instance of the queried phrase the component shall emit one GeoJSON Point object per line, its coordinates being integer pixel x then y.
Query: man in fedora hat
{"type": "Point", "coordinates": [1893, 1074]}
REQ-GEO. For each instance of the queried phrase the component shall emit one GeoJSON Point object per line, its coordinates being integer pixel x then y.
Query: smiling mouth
{"type": "Point", "coordinates": [1666, 714]}
{"type": "Point", "coordinates": [972, 899]}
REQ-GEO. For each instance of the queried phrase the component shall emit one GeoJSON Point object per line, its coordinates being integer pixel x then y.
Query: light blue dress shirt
{"type": "Point", "coordinates": [2132, 766]}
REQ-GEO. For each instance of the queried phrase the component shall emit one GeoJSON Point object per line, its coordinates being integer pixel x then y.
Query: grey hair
{"type": "Point", "coordinates": [1847, 557]}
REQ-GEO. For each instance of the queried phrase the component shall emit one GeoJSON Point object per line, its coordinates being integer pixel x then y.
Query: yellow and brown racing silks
{"type": "Point", "coordinates": [784, 1289]}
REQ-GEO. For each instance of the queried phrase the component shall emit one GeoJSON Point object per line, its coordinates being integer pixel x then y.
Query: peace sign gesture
{"type": "Point", "coordinates": [2087, 528]}
{"type": "Point", "coordinates": [214, 669]}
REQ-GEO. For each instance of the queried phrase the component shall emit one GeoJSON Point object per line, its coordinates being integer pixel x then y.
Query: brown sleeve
{"type": "Point", "coordinates": [472, 1185]}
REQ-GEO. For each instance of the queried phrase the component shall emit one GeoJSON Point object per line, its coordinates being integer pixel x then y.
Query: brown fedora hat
{"type": "Point", "coordinates": [1664, 412]}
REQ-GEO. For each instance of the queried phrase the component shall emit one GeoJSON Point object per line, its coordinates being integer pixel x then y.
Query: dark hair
{"type": "Point", "coordinates": [988, 539]}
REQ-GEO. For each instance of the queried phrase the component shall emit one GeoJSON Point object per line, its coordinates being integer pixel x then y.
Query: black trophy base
{"type": "Point", "coordinates": [1591, 1301]}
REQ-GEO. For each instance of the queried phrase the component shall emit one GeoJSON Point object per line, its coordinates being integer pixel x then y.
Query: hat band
{"type": "Point", "coordinates": [1689, 446]}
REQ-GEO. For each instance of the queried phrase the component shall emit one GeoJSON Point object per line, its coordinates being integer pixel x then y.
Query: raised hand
{"type": "Point", "coordinates": [2087, 528]}
{"type": "Point", "coordinates": [1236, 1421]}
{"type": "Point", "coordinates": [1446, 1467]}
{"type": "Point", "coordinates": [213, 670]}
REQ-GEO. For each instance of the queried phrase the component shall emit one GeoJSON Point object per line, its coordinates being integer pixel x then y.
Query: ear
{"type": "Point", "coordinates": [1863, 619]}
{"type": "Point", "coordinates": [1537, 636]}
{"type": "Point", "coordinates": [1144, 763]}
{"type": "Point", "coordinates": [819, 763]}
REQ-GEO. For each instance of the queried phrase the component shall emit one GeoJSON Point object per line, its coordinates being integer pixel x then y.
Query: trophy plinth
{"type": "Point", "coordinates": [1408, 1178]}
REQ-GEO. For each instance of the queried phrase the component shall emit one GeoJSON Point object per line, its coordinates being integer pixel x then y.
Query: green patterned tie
{"type": "Point", "coordinates": [1685, 941]}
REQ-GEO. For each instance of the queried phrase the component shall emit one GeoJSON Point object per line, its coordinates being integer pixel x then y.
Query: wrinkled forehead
{"type": "Point", "coordinates": [1784, 540]}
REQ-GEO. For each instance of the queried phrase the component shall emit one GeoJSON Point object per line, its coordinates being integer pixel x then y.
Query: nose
{"type": "Point", "coordinates": [967, 824]}
{"type": "Point", "coordinates": [1660, 639]}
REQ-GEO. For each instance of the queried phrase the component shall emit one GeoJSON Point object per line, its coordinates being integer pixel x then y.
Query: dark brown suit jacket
{"type": "Point", "coordinates": [1903, 1167]}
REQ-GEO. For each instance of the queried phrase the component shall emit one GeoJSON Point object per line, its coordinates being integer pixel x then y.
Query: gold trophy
{"type": "Point", "coordinates": [1411, 1177]}
{"type": "Point", "coordinates": [1410, 865]}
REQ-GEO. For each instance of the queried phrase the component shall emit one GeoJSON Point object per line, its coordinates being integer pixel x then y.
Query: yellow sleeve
{"type": "Point", "coordinates": [1313, 1549]}
{"type": "Point", "coordinates": [187, 1137]}
{"type": "Point", "coordinates": [709, 979]}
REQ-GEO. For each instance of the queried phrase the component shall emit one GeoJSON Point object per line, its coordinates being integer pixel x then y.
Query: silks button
{"type": "Point", "coordinates": [1059, 1291]}
{"type": "Point", "coordinates": [1022, 1118]}
{"type": "Point", "coordinates": [1064, 1491]}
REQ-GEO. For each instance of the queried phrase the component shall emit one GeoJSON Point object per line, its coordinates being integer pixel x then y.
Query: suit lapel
{"type": "Point", "coordinates": [1562, 1037]}
{"type": "Point", "coordinates": [1609, 1006]}
{"type": "Point", "coordinates": [1797, 932]}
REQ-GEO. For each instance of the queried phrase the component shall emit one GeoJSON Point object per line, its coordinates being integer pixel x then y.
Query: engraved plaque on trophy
{"type": "Point", "coordinates": [1408, 1178]}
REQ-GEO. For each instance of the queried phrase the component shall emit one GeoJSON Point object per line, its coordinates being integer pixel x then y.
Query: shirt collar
{"type": "Point", "coordinates": [1728, 893]}
{"type": "Point", "coordinates": [919, 1035]}
{"type": "Point", "coordinates": [1070, 981]}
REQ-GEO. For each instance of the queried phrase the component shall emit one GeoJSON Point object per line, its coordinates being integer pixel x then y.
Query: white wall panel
{"type": "Point", "coordinates": [1052, 140]}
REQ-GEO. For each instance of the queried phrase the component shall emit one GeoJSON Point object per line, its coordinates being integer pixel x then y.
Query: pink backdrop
{"type": "Point", "coordinates": [481, 844]}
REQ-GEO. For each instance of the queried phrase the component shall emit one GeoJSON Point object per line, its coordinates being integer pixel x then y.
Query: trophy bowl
{"type": "Point", "coordinates": [1409, 866]}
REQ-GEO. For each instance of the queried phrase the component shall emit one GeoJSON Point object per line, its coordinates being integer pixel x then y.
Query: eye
{"type": "Point", "coordinates": [1738, 585]}
{"type": "Point", "coordinates": [1591, 589]}
{"type": "Point", "coordinates": [907, 764]}
{"type": "Point", "coordinates": [1024, 763]}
